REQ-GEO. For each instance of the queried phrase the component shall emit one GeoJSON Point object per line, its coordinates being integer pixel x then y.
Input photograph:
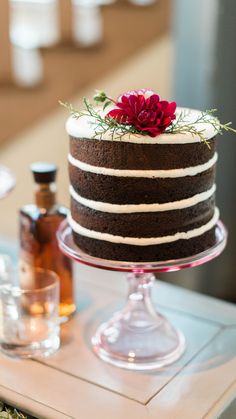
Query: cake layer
{"type": "Point", "coordinates": [144, 224]}
{"type": "Point", "coordinates": [131, 253]}
{"type": "Point", "coordinates": [133, 190]}
{"type": "Point", "coordinates": [133, 208]}
{"type": "Point", "coordinates": [143, 241]}
{"type": "Point", "coordinates": [122, 155]}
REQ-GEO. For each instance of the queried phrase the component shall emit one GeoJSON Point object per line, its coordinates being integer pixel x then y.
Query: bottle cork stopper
{"type": "Point", "coordinates": [44, 172]}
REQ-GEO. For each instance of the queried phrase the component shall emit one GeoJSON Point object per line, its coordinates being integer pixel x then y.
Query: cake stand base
{"type": "Point", "coordinates": [137, 337]}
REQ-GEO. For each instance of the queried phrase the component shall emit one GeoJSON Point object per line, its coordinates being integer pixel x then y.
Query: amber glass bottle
{"type": "Point", "coordinates": [38, 243]}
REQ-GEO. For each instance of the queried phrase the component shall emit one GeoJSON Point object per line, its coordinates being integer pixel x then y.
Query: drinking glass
{"type": "Point", "coordinates": [29, 325]}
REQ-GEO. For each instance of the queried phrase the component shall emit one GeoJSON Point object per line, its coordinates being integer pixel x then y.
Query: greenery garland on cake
{"type": "Point", "coordinates": [143, 112]}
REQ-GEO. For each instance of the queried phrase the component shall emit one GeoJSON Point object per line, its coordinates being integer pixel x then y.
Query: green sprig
{"type": "Point", "coordinates": [102, 124]}
{"type": "Point", "coordinates": [117, 129]}
{"type": "Point", "coordinates": [181, 126]}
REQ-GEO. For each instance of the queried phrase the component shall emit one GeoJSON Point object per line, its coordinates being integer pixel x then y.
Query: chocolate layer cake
{"type": "Point", "coordinates": [138, 198]}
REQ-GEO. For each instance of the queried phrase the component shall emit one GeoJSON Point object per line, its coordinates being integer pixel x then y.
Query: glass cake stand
{"type": "Point", "coordinates": [138, 337]}
{"type": "Point", "coordinates": [7, 181]}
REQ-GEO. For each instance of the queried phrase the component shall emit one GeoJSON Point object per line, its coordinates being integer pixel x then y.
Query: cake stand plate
{"type": "Point", "coordinates": [7, 181]}
{"type": "Point", "coordinates": [138, 337]}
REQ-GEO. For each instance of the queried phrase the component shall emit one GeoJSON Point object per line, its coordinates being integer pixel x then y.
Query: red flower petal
{"type": "Point", "coordinates": [172, 107]}
{"type": "Point", "coordinates": [145, 111]}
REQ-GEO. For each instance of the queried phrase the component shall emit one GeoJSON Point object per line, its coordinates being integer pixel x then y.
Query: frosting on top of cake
{"type": "Point", "coordinates": [85, 126]}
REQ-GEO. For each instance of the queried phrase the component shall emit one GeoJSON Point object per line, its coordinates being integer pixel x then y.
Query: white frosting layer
{"type": "Point", "coordinates": [173, 173]}
{"type": "Point", "coordinates": [134, 208]}
{"type": "Point", "coordinates": [84, 127]}
{"type": "Point", "coordinates": [147, 241]}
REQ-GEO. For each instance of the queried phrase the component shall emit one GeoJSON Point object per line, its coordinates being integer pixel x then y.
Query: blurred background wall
{"type": "Point", "coordinates": [204, 35]}
{"type": "Point", "coordinates": [185, 50]}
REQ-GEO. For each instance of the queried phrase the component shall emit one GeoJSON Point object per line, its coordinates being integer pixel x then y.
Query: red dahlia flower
{"type": "Point", "coordinates": [144, 110]}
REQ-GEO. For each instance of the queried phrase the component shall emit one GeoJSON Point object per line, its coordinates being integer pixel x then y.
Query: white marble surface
{"type": "Point", "coordinates": [74, 383]}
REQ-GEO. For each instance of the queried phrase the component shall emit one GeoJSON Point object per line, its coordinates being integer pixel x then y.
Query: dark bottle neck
{"type": "Point", "coordinates": [45, 195]}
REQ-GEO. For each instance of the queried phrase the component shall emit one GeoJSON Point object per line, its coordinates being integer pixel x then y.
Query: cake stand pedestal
{"type": "Point", "coordinates": [138, 337]}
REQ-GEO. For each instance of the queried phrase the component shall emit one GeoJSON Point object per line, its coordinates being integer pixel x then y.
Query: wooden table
{"type": "Point", "coordinates": [74, 383]}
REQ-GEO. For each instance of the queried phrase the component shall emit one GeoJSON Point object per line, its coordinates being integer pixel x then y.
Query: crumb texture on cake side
{"type": "Point", "coordinates": [138, 198]}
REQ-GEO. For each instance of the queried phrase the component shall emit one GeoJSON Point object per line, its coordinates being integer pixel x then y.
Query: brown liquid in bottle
{"type": "Point", "coordinates": [38, 242]}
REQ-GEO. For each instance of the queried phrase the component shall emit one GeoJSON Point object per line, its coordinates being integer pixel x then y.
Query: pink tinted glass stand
{"type": "Point", "coordinates": [138, 337]}
{"type": "Point", "coordinates": [7, 181]}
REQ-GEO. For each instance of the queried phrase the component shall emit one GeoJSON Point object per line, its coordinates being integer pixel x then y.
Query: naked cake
{"type": "Point", "coordinates": [142, 195]}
